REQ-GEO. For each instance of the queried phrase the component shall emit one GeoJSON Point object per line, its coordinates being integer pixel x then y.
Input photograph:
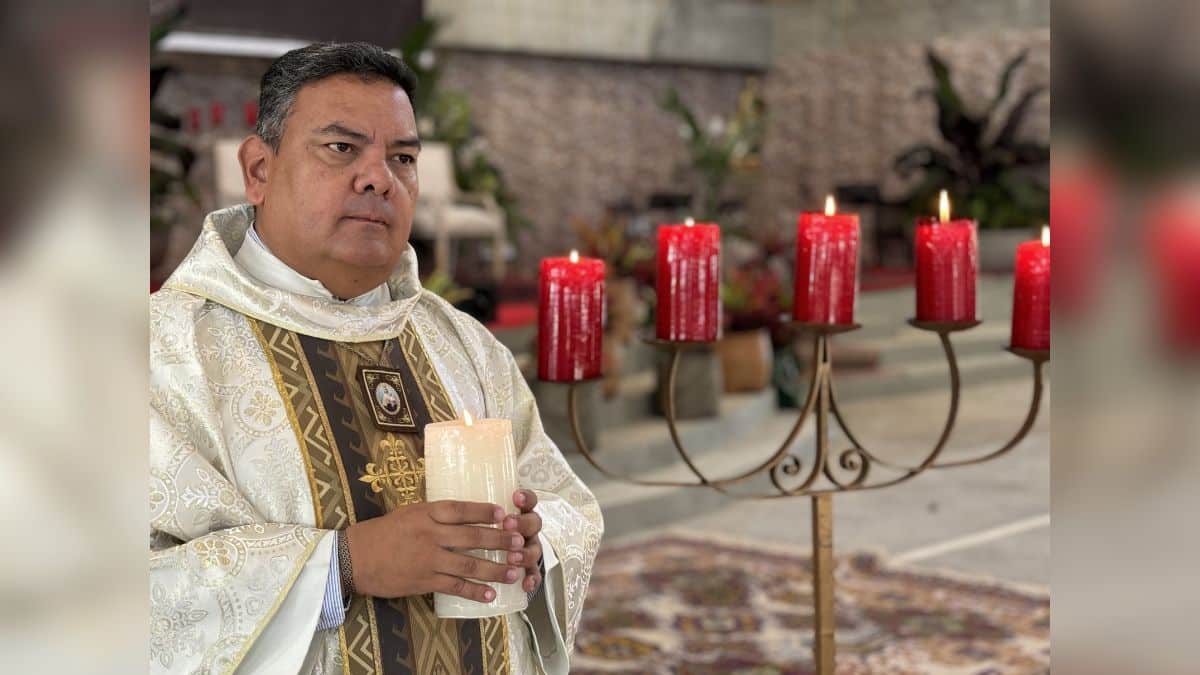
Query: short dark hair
{"type": "Point", "coordinates": [288, 73]}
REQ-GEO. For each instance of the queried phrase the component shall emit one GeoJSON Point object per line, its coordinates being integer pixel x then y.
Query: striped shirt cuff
{"type": "Point", "coordinates": [333, 611]}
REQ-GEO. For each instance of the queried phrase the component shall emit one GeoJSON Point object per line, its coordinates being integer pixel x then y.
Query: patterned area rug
{"type": "Point", "coordinates": [683, 604]}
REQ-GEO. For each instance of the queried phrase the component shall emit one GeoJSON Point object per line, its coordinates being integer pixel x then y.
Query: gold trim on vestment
{"type": "Point", "coordinates": [375, 633]}
{"type": "Point", "coordinates": [291, 413]}
{"type": "Point", "coordinates": [343, 652]}
{"type": "Point", "coordinates": [490, 649]}
{"type": "Point", "coordinates": [435, 395]}
{"type": "Point", "coordinates": [337, 457]}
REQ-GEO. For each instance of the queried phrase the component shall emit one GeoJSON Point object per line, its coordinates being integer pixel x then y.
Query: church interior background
{"type": "Point", "coordinates": [584, 126]}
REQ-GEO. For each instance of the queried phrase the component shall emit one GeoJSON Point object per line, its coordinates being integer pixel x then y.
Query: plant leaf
{"type": "Point", "coordinates": [1007, 134]}
{"type": "Point", "coordinates": [157, 75]}
{"type": "Point", "coordinates": [1005, 79]}
{"type": "Point", "coordinates": [671, 102]}
{"type": "Point", "coordinates": [945, 93]}
{"type": "Point", "coordinates": [164, 119]}
{"type": "Point", "coordinates": [419, 37]}
{"type": "Point", "coordinates": [924, 157]}
{"type": "Point", "coordinates": [185, 155]}
{"type": "Point", "coordinates": [959, 128]}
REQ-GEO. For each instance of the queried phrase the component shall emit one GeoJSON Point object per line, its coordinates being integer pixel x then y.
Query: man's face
{"type": "Point", "coordinates": [340, 190]}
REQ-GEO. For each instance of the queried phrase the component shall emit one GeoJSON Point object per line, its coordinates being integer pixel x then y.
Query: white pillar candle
{"type": "Point", "coordinates": [475, 461]}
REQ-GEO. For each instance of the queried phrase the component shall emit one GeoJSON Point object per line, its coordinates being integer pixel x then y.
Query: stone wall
{"type": "Point", "coordinates": [841, 115]}
{"type": "Point", "coordinates": [575, 135]}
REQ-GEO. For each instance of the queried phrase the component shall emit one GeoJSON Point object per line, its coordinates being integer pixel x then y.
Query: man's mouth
{"type": "Point", "coordinates": [368, 219]}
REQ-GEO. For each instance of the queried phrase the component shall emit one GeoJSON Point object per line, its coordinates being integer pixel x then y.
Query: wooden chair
{"type": "Point", "coordinates": [445, 214]}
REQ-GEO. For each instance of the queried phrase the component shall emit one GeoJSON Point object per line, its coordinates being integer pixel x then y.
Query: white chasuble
{"type": "Point", "coordinates": [265, 437]}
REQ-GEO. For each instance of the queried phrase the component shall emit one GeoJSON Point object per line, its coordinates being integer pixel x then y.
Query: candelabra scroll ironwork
{"type": "Point", "coordinates": [719, 485]}
{"type": "Point", "coordinates": [1038, 358]}
{"type": "Point", "coordinates": [821, 398]}
{"type": "Point", "coordinates": [866, 457]}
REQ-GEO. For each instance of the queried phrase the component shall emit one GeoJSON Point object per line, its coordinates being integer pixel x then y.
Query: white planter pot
{"type": "Point", "coordinates": [998, 248]}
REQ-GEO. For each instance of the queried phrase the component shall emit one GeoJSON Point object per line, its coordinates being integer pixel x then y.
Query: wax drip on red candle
{"type": "Point", "coordinates": [946, 253]}
{"type": "Point", "coordinates": [688, 282]}
{"type": "Point", "coordinates": [826, 278]}
{"type": "Point", "coordinates": [1031, 294]}
{"type": "Point", "coordinates": [570, 318]}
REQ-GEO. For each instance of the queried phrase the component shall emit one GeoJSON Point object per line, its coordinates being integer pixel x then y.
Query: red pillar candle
{"type": "Point", "coordinates": [1031, 294]}
{"type": "Point", "coordinates": [250, 113]}
{"type": "Point", "coordinates": [193, 118]}
{"type": "Point", "coordinates": [570, 318]}
{"type": "Point", "coordinates": [1174, 244]}
{"type": "Point", "coordinates": [826, 266]}
{"type": "Point", "coordinates": [947, 257]}
{"type": "Point", "coordinates": [689, 272]}
{"type": "Point", "coordinates": [217, 114]}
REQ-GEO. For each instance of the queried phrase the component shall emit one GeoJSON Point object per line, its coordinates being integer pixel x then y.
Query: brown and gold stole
{"type": "Point", "coordinates": [359, 411]}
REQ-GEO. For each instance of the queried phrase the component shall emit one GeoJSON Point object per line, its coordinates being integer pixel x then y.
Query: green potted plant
{"type": "Point", "coordinates": [992, 174]}
{"type": "Point", "coordinates": [721, 148]}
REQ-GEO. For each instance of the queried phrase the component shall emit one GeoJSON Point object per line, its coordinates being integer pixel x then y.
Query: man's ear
{"type": "Point", "coordinates": [255, 157]}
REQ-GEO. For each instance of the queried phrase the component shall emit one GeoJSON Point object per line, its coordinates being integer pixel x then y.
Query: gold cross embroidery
{"type": "Point", "coordinates": [397, 472]}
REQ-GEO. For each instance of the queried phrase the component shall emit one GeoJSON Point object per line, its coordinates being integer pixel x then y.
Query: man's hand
{"type": "Point", "coordinates": [408, 551]}
{"type": "Point", "coordinates": [528, 524]}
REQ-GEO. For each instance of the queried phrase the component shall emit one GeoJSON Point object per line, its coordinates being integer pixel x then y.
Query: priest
{"type": "Point", "coordinates": [289, 531]}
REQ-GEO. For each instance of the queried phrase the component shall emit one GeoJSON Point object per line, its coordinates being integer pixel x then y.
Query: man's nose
{"type": "Point", "coordinates": [373, 175]}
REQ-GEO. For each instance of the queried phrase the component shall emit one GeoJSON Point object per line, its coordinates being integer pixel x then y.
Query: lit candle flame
{"type": "Point", "coordinates": [1045, 235]}
{"type": "Point", "coordinates": [830, 205]}
{"type": "Point", "coordinates": [574, 256]}
{"type": "Point", "coordinates": [467, 418]}
{"type": "Point", "coordinates": [944, 206]}
{"type": "Point", "coordinates": [689, 221]}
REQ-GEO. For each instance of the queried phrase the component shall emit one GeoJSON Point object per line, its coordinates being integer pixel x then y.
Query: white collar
{"type": "Point", "coordinates": [257, 260]}
{"type": "Point", "coordinates": [209, 272]}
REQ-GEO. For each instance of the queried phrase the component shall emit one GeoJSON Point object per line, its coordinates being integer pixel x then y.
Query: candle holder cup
{"type": "Point", "coordinates": [823, 328]}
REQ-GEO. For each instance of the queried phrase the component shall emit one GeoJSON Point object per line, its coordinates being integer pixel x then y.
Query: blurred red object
{"type": "Point", "coordinates": [250, 113]}
{"type": "Point", "coordinates": [193, 117]}
{"type": "Point", "coordinates": [1081, 198]}
{"type": "Point", "coordinates": [216, 114]}
{"type": "Point", "coordinates": [1174, 245]}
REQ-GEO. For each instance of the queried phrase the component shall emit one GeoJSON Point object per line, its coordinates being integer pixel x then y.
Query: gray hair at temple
{"type": "Point", "coordinates": [288, 73]}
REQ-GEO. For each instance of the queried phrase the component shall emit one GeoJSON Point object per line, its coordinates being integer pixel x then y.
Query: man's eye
{"type": "Point", "coordinates": [340, 148]}
{"type": "Point", "coordinates": [404, 159]}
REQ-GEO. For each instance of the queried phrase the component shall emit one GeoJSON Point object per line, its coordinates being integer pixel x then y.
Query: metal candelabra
{"type": "Point", "coordinates": [852, 469]}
